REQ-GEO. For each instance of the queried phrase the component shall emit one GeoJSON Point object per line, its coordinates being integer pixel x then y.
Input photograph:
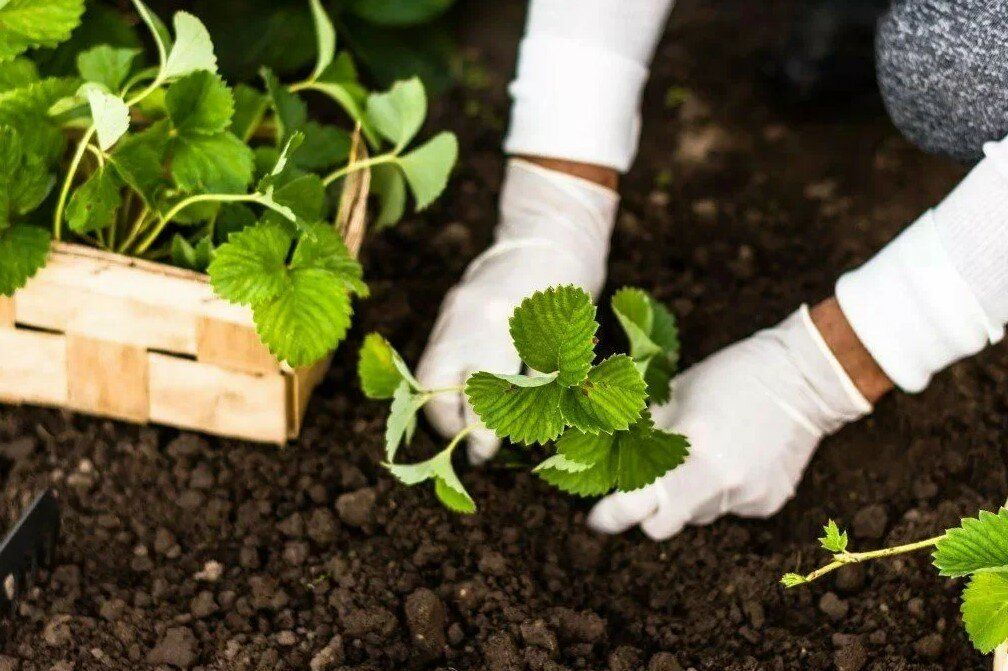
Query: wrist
{"type": "Point", "coordinates": [603, 176]}
{"type": "Point", "coordinates": [855, 359]}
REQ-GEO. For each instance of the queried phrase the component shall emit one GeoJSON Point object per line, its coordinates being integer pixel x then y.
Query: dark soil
{"type": "Point", "coordinates": [187, 552]}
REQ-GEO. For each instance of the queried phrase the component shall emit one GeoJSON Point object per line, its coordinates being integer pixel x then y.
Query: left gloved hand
{"type": "Point", "coordinates": [754, 414]}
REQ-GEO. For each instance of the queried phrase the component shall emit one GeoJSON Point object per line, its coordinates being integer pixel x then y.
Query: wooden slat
{"type": "Point", "coordinates": [6, 311]}
{"type": "Point", "coordinates": [300, 385]}
{"type": "Point", "coordinates": [32, 367]}
{"type": "Point", "coordinates": [197, 396]}
{"type": "Point", "coordinates": [232, 346]}
{"type": "Point", "coordinates": [107, 378]}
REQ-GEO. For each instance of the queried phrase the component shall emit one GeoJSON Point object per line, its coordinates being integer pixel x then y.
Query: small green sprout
{"type": "Point", "coordinates": [977, 550]}
{"type": "Point", "coordinates": [593, 413]}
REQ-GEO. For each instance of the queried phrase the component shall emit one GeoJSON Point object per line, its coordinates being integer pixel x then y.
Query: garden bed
{"type": "Point", "coordinates": [193, 552]}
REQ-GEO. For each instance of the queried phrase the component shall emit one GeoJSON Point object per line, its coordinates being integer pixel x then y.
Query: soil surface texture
{"type": "Point", "coordinates": [186, 552]}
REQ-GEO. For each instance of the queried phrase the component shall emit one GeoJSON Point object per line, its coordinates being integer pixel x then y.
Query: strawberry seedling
{"type": "Point", "coordinates": [593, 413]}
{"type": "Point", "coordinates": [168, 162]}
{"type": "Point", "coordinates": [977, 550]}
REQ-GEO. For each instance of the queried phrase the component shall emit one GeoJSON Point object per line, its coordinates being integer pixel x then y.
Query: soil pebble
{"type": "Point", "coordinates": [329, 657]}
{"type": "Point", "coordinates": [664, 661]}
{"type": "Point", "coordinates": [176, 648]}
{"type": "Point", "coordinates": [425, 616]}
{"type": "Point", "coordinates": [538, 633]}
{"type": "Point", "coordinates": [833, 606]}
{"type": "Point", "coordinates": [851, 657]}
{"type": "Point", "coordinates": [203, 605]}
{"type": "Point", "coordinates": [501, 654]}
{"type": "Point", "coordinates": [356, 509]}
{"type": "Point", "coordinates": [870, 522]}
{"type": "Point", "coordinates": [930, 646]}
{"type": "Point", "coordinates": [9, 663]}
{"type": "Point", "coordinates": [624, 658]}
{"type": "Point", "coordinates": [851, 578]}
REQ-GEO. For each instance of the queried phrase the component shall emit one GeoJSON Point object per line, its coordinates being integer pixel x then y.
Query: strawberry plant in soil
{"type": "Point", "coordinates": [324, 556]}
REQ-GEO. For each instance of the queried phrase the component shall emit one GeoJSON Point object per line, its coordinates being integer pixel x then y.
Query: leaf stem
{"type": "Point", "coordinates": [444, 390]}
{"type": "Point", "coordinates": [68, 182]}
{"type": "Point", "coordinates": [459, 437]}
{"type": "Point", "coordinates": [359, 165]}
{"type": "Point", "coordinates": [842, 559]}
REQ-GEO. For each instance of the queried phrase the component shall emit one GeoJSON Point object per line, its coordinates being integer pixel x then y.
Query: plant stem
{"type": "Point", "coordinates": [68, 182]}
{"type": "Point", "coordinates": [137, 228]}
{"type": "Point", "coordinates": [444, 390]}
{"type": "Point", "coordinates": [359, 165]}
{"type": "Point", "coordinates": [844, 558]}
{"type": "Point", "coordinates": [459, 436]}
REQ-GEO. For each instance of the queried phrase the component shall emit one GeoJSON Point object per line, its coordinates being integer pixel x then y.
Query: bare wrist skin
{"type": "Point", "coordinates": [858, 363]}
{"type": "Point", "coordinates": [597, 174]}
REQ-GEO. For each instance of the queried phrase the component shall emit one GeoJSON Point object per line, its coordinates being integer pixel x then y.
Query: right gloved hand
{"type": "Point", "coordinates": [554, 229]}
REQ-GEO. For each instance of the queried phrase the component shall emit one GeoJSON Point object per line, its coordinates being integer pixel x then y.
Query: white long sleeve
{"type": "Point", "coordinates": [939, 291]}
{"type": "Point", "coordinates": [582, 66]}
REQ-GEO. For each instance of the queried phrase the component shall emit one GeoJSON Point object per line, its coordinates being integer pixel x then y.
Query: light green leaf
{"type": "Point", "coordinates": [389, 185]}
{"type": "Point", "coordinates": [23, 251]}
{"type": "Point", "coordinates": [212, 164]}
{"type": "Point", "coordinates": [645, 453]}
{"type": "Point", "coordinates": [95, 203]}
{"type": "Point", "coordinates": [320, 246]}
{"type": "Point", "coordinates": [110, 114]}
{"type": "Point", "coordinates": [377, 369]}
{"type": "Point", "coordinates": [251, 267]}
{"type": "Point", "coordinates": [979, 543]}
{"type": "Point", "coordinates": [524, 414]}
{"type": "Point", "coordinates": [199, 103]}
{"type": "Point", "coordinates": [633, 311]}
{"type": "Point", "coordinates": [554, 330]}
{"type": "Point", "coordinates": [985, 610]}
{"type": "Point", "coordinates": [610, 399]}
{"type": "Point", "coordinates": [17, 73]}
{"type": "Point", "coordinates": [428, 167]}
{"type": "Point", "coordinates": [307, 320]}
{"type": "Point", "coordinates": [592, 475]}
{"type": "Point", "coordinates": [402, 419]}
{"type": "Point", "coordinates": [193, 49]}
{"type": "Point", "coordinates": [106, 65]}
{"type": "Point", "coordinates": [325, 36]}
{"type": "Point", "coordinates": [654, 341]}
{"type": "Point", "coordinates": [249, 107]}
{"type": "Point", "coordinates": [398, 113]}
{"type": "Point", "coordinates": [448, 487]}
{"type": "Point", "coordinates": [790, 580]}
{"type": "Point", "coordinates": [833, 540]}
{"type": "Point", "coordinates": [529, 381]}
{"type": "Point", "coordinates": [27, 24]}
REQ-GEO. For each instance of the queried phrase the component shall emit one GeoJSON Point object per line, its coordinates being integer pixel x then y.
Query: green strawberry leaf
{"type": "Point", "coordinates": [199, 104]}
{"type": "Point", "coordinates": [95, 203]}
{"type": "Point", "coordinates": [594, 476]}
{"type": "Point", "coordinates": [320, 246]}
{"type": "Point", "coordinates": [304, 196]}
{"type": "Point", "coordinates": [402, 418]}
{"type": "Point", "coordinates": [106, 65]}
{"type": "Point", "coordinates": [525, 413]}
{"type": "Point", "coordinates": [23, 251]}
{"type": "Point", "coordinates": [448, 488]}
{"type": "Point", "coordinates": [26, 109]}
{"type": "Point", "coordinates": [24, 178]}
{"type": "Point", "coordinates": [28, 24]}
{"type": "Point", "coordinates": [645, 453]}
{"type": "Point", "coordinates": [137, 159]}
{"type": "Point", "coordinates": [611, 398]}
{"type": "Point", "coordinates": [985, 609]}
{"type": "Point", "coordinates": [110, 114]}
{"type": "Point", "coordinates": [291, 111]}
{"type": "Point", "coordinates": [428, 167]}
{"type": "Point", "coordinates": [380, 368]}
{"type": "Point", "coordinates": [218, 163]}
{"type": "Point", "coordinates": [398, 113]}
{"type": "Point", "coordinates": [979, 543]}
{"type": "Point", "coordinates": [653, 337]}
{"type": "Point", "coordinates": [193, 49]}
{"type": "Point", "coordinates": [17, 73]}
{"type": "Point", "coordinates": [389, 185]}
{"type": "Point", "coordinates": [251, 267]}
{"type": "Point", "coordinates": [249, 107]}
{"type": "Point", "coordinates": [554, 330]}
{"type": "Point", "coordinates": [833, 540]}
{"type": "Point", "coordinates": [325, 36]}
{"type": "Point", "coordinates": [323, 147]}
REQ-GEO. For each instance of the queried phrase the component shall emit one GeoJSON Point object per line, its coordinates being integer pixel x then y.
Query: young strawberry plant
{"type": "Point", "coordinates": [168, 162]}
{"type": "Point", "coordinates": [592, 413]}
{"type": "Point", "coordinates": [977, 550]}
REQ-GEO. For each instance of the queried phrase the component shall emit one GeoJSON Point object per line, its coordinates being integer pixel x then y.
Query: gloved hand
{"type": "Point", "coordinates": [754, 414]}
{"type": "Point", "coordinates": [554, 229]}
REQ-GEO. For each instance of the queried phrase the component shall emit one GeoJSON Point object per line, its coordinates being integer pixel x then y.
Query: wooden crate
{"type": "Point", "coordinates": [144, 342]}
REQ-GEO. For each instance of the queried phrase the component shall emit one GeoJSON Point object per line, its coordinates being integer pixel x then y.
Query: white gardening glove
{"type": "Point", "coordinates": [754, 414]}
{"type": "Point", "coordinates": [554, 229]}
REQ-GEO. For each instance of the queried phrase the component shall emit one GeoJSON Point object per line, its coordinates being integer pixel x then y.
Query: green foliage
{"type": "Point", "coordinates": [979, 543]}
{"type": "Point", "coordinates": [106, 65]}
{"type": "Point", "coordinates": [23, 251]}
{"type": "Point", "coordinates": [399, 12]}
{"type": "Point", "coordinates": [985, 610]}
{"type": "Point", "coordinates": [833, 540]}
{"type": "Point", "coordinates": [95, 203]}
{"type": "Point", "coordinates": [653, 336]}
{"type": "Point", "coordinates": [27, 24]}
{"type": "Point", "coordinates": [595, 414]}
{"type": "Point", "coordinates": [199, 104]}
{"type": "Point", "coordinates": [109, 113]}
{"type": "Point", "coordinates": [447, 486]}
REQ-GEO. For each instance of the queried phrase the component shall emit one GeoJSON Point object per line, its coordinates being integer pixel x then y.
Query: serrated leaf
{"type": "Point", "coordinates": [232, 218]}
{"type": "Point", "coordinates": [833, 540]}
{"type": "Point", "coordinates": [320, 246]}
{"type": "Point", "coordinates": [985, 610]}
{"type": "Point", "coordinates": [17, 73]}
{"type": "Point", "coordinates": [325, 37]}
{"type": "Point", "coordinates": [439, 469]}
{"type": "Point", "coordinates": [26, 110]}
{"type": "Point", "coordinates": [401, 422]}
{"type": "Point", "coordinates": [398, 113]}
{"type": "Point", "coordinates": [653, 337]}
{"type": "Point", "coordinates": [137, 159]}
{"type": "Point", "coordinates": [307, 320]}
{"type": "Point", "coordinates": [27, 24]}
{"type": "Point", "coordinates": [95, 203]}
{"type": "Point", "coordinates": [978, 543]}
{"type": "Point", "coordinates": [249, 107]}
{"type": "Point", "coordinates": [389, 185]}
{"type": "Point", "coordinates": [199, 103]}
{"type": "Point", "coordinates": [304, 196]}
{"type": "Point", "coordinates": [646, 453]}
{"type": "Point", "coordinates": [106, 65]}
{"type": "Point", "coordinates": [610, 399]}
{"type": "Point", "coordinates": [577, 478]}
{"type": "Point", "coordinates": [23, 251]}
{"type": "Point", "coordinates": [252, 266]}
{"type": "Point", "coordinates": [524, 414]}
{"type": "Point", "coordinates": [24, 179]}
{"type": "Point", "coordinates": [554, 330]}
{"type": "Point", "coordinates": [110, 114]}
{"type": "Point", "coordinates": [291, 111]}
{"type": "Point", "coordinates": [790, 580]}
{"type": "Point", "coordinates": [428, 167]}
{"type": "Point", "coordinates": [218, 163]}
{"type": "Point", "coordinates": [377, 369]}
{"type": "Point", "coordinates": [193, 49]}
{"type": "Point", "coordinates": [323, 147]}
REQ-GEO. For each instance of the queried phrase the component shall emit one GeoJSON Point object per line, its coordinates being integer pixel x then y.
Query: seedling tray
{"type": "Point", "coordinates": [144, 342]}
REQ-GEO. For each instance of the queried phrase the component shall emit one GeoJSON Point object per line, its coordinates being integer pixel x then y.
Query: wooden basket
{"type": "Point", "coordinates": [143, 342]}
